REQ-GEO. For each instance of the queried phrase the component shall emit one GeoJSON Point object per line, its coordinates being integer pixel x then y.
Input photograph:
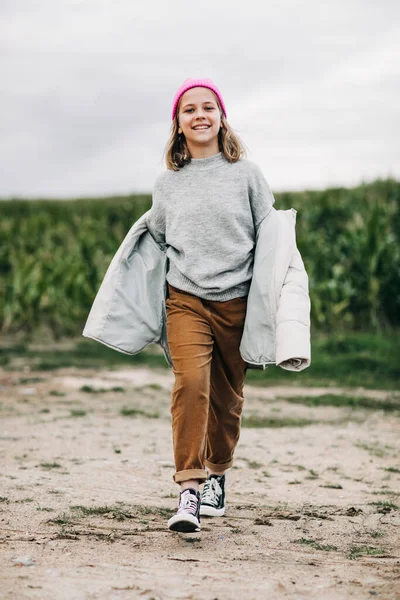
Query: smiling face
{"type": "Point", "coordinates": [199, 117]}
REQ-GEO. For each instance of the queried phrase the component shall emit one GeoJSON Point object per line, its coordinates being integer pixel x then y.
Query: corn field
{"type": "Point", "coordinates": [54, 254]}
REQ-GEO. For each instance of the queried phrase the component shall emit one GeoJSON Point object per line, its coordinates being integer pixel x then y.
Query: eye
{"type": "Point", "coordinates": [207, 108]}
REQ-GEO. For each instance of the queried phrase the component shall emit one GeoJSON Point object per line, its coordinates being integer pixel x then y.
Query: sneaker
{"type": "Point", "coordinates": [213, 497]}
{"type": "Point", "coordinates": [187, 518]}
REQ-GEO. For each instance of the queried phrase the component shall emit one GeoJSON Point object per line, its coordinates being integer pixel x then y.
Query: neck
{"type": "Point", "coordinates": [206, 163]}
{"type": "Point", "coordinates": [203, 151]}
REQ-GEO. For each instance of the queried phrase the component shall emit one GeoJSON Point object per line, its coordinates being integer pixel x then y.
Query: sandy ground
{"type": "Point", "coordinates": [86, 490]}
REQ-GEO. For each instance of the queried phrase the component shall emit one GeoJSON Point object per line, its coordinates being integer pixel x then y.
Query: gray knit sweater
{"type": "Point", "coordinates": [208, 214]}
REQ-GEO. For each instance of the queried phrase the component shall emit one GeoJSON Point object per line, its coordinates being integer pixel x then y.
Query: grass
{"type": "Point", "coordinates": [391, 469]}
{"type": "Point", "coordinates": [316, 545]}
{"type": "Point", "coordinates": [375, 533]}
{"type": "Point", "coordinates": [91, 354]}
{"type": "Point", "coordinates": [155, 387]}
{"type": "Point", "coordinates": [253, 464]}
{"type": "Point", "coordinates": [344, 400]}
{"type": "Point", "coordinates": [50, 465]}
{"type": "Point", "coordinates": [253, 421]}
{"type": "Point", "coordinates": [385, 492]}
{"type": "Point", "coordinates": [127, 411]}
{"type": "Point", "coordinates": [364, 550]}
{"type": "Point", "coordinates": [373, 449]}
{"type": "Point", "coordinates": [63, 519]}
{"type": "Point", "coordinates": [77, 412]}
{"type": "Point", "coordinates": [355, 359]}
{"type": "Point", "coordinates": [25, 380]}
{"type": "Point", "coordinates": [332, 486]}
{"type": "Point", "coordinates": [118, 512]}
{"type": "Point", "coordinates": [91, 390]}
{"type": "Point", "coordinates": [384, 504]}
{"type": "Point", "coordinates": [313, 474]}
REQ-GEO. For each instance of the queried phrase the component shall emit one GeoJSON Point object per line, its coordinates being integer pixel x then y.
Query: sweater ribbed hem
{"type": "Point", "coordinates": [177, 280]}
{"type": "Point", "coordinates": [205, 164]}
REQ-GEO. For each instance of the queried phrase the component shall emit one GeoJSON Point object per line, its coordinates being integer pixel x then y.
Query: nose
{"type": "Point", "coordinates": [201, 113]}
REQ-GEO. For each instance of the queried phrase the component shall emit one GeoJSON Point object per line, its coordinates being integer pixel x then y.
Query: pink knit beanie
{"type": "Point", "coordinates": [191, 83]}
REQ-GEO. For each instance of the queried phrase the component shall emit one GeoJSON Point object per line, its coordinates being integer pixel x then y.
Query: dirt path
{"type": "Point", "coordinates": [86, 489]}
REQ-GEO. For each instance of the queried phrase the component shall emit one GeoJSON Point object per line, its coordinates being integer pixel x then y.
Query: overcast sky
{"type": "Point", "coordinates": [312, 89]}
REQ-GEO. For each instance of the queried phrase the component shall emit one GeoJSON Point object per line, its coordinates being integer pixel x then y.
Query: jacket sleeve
{"type": "Point", "coordinates": [293, 344]}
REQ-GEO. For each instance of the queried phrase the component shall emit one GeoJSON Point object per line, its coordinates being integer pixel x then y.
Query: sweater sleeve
{"type": "Point", "coordinates": [261, 197]}
{"type": "Point", "coordinates": [156, 217]}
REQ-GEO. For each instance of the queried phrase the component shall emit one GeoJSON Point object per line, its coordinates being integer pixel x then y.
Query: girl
{"type": "Point", "coordinates": [207, 208]}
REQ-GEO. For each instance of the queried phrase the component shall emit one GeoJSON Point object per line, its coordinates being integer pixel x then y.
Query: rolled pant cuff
{"type": "Point", "coordinates": [200, 474]}
{"type": "Point", "coordinates": [218, 468]}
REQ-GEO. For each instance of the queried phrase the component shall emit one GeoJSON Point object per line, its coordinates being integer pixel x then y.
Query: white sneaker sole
{"type": "Point", "coordinates": [183, 523]}
{"type": "Point", "coordinates": [209, 511]}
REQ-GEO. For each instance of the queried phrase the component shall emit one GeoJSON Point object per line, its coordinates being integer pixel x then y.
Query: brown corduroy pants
{"type": "Point", "coordinates": [207, 397]}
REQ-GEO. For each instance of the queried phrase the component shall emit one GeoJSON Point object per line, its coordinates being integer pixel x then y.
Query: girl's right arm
{"type": "Point", "coordinates": [156, 217]}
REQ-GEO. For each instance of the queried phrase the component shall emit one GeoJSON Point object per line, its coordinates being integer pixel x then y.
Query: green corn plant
{"type": "Point", "coordinates": [54, 254]}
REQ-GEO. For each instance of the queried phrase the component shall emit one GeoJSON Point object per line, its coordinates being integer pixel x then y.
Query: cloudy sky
{"type": "Point", "coordinates": [312, 89]}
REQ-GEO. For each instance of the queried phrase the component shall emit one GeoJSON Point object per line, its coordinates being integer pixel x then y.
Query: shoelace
{"type": "Point", "coordinates": [211, 491]}
{"type": "Point", "coordinates": [188, 503]}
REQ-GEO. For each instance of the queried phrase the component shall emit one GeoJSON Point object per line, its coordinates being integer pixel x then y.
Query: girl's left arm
{"type": "Point", "coordinates": [261, 196]}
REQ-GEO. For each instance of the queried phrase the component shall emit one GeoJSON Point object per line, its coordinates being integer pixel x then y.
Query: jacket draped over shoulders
{"type": "Point", "coordinates": [128, 312]}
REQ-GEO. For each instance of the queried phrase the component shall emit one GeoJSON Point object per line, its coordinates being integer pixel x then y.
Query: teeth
{"type": "Point", "coordinates": [201, 127]}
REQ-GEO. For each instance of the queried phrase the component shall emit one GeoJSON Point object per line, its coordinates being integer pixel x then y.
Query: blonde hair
{"type": "Point", "coordinates": [177, 153]}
